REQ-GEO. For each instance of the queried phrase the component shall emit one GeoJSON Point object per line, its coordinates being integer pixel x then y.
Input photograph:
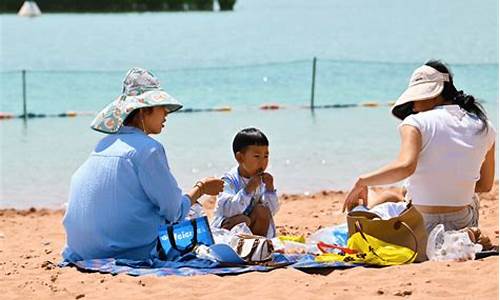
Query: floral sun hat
{"type": "Point", "coordinates": [140, 89]}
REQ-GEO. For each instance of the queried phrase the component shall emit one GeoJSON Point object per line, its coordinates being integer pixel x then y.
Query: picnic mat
{"type": "Point", "coordinates": [188, 266]}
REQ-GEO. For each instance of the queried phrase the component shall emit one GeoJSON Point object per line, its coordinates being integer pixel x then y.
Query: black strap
{"type": "Point", "coordinates": [160, 250]}
{"type": "Point", "coordinates": [194, 240]}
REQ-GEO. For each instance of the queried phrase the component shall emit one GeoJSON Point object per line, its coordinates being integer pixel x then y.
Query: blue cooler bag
{"type": "Point", "coordinates": [180, 238]}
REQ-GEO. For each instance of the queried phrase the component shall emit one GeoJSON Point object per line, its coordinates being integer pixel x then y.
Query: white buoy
{"type": "Point", "coordinates": [29, 9]}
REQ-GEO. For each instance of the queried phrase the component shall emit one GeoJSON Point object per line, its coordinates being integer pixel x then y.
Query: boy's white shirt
{"type": "Point", "coordinates": [234, 200]}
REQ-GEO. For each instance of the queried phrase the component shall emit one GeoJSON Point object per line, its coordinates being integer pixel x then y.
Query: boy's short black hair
{"type": "Point", "coordinates": [249, 137]}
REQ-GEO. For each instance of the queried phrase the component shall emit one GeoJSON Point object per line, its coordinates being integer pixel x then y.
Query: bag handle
{"type": "Point", "coordinates": [194, 240]}
{"type": "Point", "coordinates": [252, 250]}
{"type": "Point", "coordinates": [323, 246]}
{"type": "Point", "coordinates": [397, 226]}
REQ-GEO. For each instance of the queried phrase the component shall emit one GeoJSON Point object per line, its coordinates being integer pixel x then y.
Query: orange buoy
{"type": "Point", "coordinates": [223, 108]}
{"type": "Point", "coordinates": [271, 106]}
{"type": "Point", "coordinates": [370, 104]}
{"type": "Point", "coordinates": [6, 115]}
{"type": "Point", "coordinates": [70, 114]}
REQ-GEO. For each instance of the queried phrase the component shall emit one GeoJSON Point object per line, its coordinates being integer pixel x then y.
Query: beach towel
{"type": "Point", "coordinates": [308, 262]}
{"type": "Point", "coordinates": [188, 265]}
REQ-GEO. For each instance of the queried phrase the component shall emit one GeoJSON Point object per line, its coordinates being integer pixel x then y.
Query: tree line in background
{"type": "Point", "coordinates": [117, 5]}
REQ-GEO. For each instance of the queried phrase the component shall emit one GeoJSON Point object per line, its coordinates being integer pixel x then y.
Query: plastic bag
{"type": "Point", "coordinates": [450, 245]}
{"type": "Point", "coordinates": [336, 235]}
{"type": "Point", "coordinates": [203, 252]}
{"type": "Point", "coordinates": [224, 236]}
{"type": "Point", "coordinates": [221, 235]}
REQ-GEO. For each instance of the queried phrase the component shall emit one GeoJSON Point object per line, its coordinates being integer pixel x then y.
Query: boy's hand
{"type": "Point", "coordinates": [268, 181]}
{"type": "Point", "coordinates": [253, 184]}
{"type": "Point", "coordinates": [212, 186]}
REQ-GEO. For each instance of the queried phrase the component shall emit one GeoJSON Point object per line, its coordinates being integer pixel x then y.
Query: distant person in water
{"type": "Point", "coordinates": [447, 151]}
{"type": "Point", "coordinates": [249, 195]}
{"type": "Point", "coordinates": [125, 190]}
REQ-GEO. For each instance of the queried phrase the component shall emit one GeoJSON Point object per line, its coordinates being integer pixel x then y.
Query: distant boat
{"type": "Point", "coordinates": [29, 9]}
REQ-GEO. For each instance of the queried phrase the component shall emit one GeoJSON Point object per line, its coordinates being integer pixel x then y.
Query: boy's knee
{"type": "Point", "coordinates": [262, 211]}
{"type": "Point", "coordinates": [235, 220]}
{"type": "Point", "coordinates": [246, 220]}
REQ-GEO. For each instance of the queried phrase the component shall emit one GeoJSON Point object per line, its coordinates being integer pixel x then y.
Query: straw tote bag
{"type": "Point", "coordinates": [407, 229]}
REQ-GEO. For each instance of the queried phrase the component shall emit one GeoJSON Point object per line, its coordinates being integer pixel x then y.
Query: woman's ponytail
{"type": "Point", "coordinates": [465, 101]}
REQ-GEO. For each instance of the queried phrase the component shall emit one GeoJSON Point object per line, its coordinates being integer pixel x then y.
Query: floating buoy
{"type": "Point", "coordinates": [223, 108]}
{"type": "Point", "coordinates": [70, 114]}
{"type": "Point", "coordinates": [369, 104]}
{"type": "Point", "coordinates": [31, 115]}
{"type": "Point", "coordinates": [29, 9]}
{"type": "Point", "coordinates": [271, 106]}
{"type": "Point", "coordinates": [6, 115]}
{"type": "Point", "coordinates": [332, 106]}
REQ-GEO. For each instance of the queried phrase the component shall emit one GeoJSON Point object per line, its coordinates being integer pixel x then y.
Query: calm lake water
{"type": "Point", "coordinates": [260, 53]}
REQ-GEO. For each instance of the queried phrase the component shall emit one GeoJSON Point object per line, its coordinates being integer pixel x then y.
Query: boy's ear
{"type": "Point", "coordinates": [239, 156]}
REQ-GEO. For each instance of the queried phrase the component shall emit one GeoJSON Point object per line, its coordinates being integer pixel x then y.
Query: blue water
{"type": "Point", "coordinates": [260, 53]}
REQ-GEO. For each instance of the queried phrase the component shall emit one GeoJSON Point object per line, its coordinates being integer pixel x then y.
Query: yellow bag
{"type": "Point", "coordinates": [371, 251]}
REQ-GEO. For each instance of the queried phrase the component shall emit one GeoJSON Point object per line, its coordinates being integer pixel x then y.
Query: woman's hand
{"type": "Point", "coordinates": [358, 191]}
{"type": "Point", "coordinates": [211, 186]}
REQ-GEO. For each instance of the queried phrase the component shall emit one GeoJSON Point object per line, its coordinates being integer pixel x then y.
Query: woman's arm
{"type": "Point", "coordinates": [207, 186]}
{"type": "Point", "coordinates": [399, 169]}
{"type": "Point", "coordinates": [485, 182]}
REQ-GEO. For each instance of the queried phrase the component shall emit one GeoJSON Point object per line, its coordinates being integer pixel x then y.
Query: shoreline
{"type": "Point", "coordinates": [31, 241]}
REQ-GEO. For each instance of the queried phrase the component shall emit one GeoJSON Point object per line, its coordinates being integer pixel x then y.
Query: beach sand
{"type": "Point", "coordinates": [31, 241]}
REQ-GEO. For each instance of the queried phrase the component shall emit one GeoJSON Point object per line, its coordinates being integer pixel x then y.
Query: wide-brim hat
{"type": "Point", "coordinates": [225, 254]}
{"type": "Point", "coordinates": [425, 83]}
{"type": "Point", "coordinates": [140, 89]}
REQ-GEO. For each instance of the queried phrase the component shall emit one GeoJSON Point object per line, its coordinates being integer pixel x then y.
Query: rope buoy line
{"type": "Point", "coordinates": [268, 106]}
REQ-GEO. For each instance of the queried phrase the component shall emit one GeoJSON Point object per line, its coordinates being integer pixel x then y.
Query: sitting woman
{"type": "Point", "coordinates": [447, 151]}
{"type": "Point", "coordinates": [125, 190]}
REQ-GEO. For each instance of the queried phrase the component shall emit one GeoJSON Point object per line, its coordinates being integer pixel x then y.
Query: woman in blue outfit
{"type": "Point", "coordinates": [125, 190]}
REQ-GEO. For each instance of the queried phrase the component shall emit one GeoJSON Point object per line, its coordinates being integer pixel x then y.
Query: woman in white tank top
{"type": "Point", "coordinates": [447, 151]}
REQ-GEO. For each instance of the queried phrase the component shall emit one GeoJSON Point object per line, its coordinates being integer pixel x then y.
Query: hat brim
{"type": "Point", "coordinates": [225, 254]}
{"type": "Point", "coordinates": [418, 92]}
{"type": "Point", "coordinates": [111, 118]}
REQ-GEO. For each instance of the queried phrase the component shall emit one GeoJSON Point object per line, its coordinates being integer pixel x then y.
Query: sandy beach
{"type": "Point", "coordinates": [31, 241]}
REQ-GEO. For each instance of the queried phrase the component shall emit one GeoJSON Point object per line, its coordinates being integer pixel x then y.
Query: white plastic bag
{"type": "Point", "coordinates": [450, 245]}
{"type": "Point", "coordinates": [336, 235]}
{"type": "Point", "coordinates": [224, 236]}
{"type": "Point", "coordinates": [241, 228]}
{"type": "Point", "coordinates": [221, 235]}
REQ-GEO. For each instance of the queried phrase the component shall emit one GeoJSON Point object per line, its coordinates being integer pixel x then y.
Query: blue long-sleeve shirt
{"type": "Point", "coordinates": [234, 200]}
{"type": "Point", "coordinates": [119, 197]}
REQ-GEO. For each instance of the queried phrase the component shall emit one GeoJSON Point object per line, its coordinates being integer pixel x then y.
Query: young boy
{"type": "Point", "coordinates": [249, 195]}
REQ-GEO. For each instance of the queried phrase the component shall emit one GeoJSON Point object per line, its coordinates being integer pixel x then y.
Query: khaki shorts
{"type": "Point", "coordinates": [467, 217]}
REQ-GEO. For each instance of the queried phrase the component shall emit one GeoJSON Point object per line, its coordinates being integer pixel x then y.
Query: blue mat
{"type": "Point", "coordinates": [307, 262]}
{"type": "Point", "coordinates": [188, 266]}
